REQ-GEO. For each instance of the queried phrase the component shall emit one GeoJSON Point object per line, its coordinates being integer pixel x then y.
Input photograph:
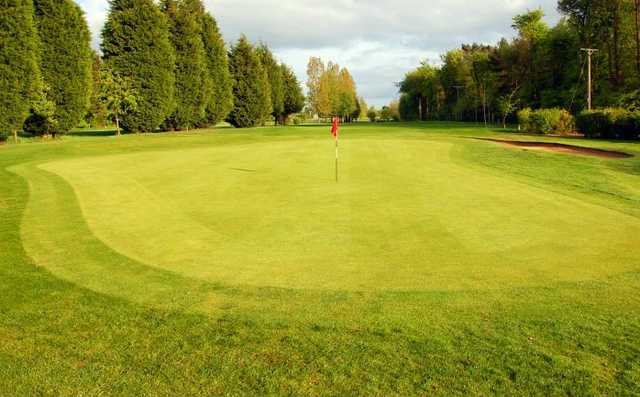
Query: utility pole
{"type": "Point", "coordinates": [458, 88]}
{"type": "Point", "coordinates": [590, 52]}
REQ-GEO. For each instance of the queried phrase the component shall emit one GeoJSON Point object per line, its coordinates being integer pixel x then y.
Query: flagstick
{"type": "Point", "coordinates": [336, 157]}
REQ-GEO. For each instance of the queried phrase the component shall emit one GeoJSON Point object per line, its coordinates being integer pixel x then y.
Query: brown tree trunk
{"type": "Point", "coordinates": [15, 136]}
{"type": "Point", "coordinates": [117, 125]}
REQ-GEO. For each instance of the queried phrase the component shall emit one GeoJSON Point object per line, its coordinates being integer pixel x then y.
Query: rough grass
{"type": "Point", "coordinates": [226, 262]}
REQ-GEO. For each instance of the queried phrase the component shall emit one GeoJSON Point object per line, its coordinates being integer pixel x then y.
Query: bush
{"type": "Point", "coordinates": [524, 118]}
{"type": "Point", "coordinates": [546, 121]}
{"type": "Point", "coordinates": [3, 136]}
{"type": "Point", "coordinates": [609, 123]}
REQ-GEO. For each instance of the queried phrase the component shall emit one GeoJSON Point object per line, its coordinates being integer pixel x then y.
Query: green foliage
{"type": "Point", "coordinates": [609, 123]}
{"type": "Point", "coordinates": [530, 26]}
{"type": "Point", "coordinates": [408, 107]}
{"type": "Point", "coordinates": [524, 118]}
{"type": "Point", "coordinates": [65, 60]}
{"type": "Point", "coordinates": [18, 63]}
{"type": "Point", "coordinates": [293, 96]}
{"type": "Point", "coordinates": [251, 90]}
{"type": "Point", "coordinates": [193, 87]}
{"type": "Point", "coordinates": [136, 45]}
{"type": "Point", "coordinates": [43, 118]}
{"type": "Point", "coordinates": [541, 68]}
{"type": "Point", "coordinates": [97, 114]}
{"type": "Point", "coordinates": [118, 96]}
{"type": "Point", "coordinates": [3, 136]}
{"type": "Point", "coordinates": [372, 114]}
{"type": "Point", "coordinates": [547, 121]}
{"type": "Point", "coordinates": [220, 102]}
{"type": "Point", "coordinates": [275, 79]}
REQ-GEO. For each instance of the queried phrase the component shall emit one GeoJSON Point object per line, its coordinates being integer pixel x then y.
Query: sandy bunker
{"type": "Point", "coordinates": [561, 148]}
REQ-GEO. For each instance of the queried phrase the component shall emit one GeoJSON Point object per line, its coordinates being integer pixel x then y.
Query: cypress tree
{"type": "Point", "coordinates": [251, 91]}
{"type": "Point", "coordinates": [293, 95]}
{"type": "Point", "coordinates": [97, 115]}
{"type": "Point", "coordinates": [220, 102]}
{"type": "Point", "coordinates": [192, 86]}
{"type": "Point", "coordinates": [274, 77]}
{"type": "Point", "coordinates": [65, 60]}
{"type": "Point", "coordinates": [136, 46]}
{"type": "Point", "coordinates": [18, 63]}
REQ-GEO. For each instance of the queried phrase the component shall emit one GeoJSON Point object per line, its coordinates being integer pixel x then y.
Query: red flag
{"type": "Point", "coordinates": [334, 128]}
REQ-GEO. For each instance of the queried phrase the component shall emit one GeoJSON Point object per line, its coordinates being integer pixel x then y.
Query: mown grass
{"type": "Point", "coordinates": [82, 315]}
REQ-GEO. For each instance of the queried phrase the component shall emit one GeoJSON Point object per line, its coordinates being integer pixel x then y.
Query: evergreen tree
{"type": "Point", "coordinates": [136, 45]}
{"type": "Point", "coordinates": [193, 88]}
{"type": "Point", "coordinates": [274, 76]}
{"type": "Point", "coordinates": [220, 101]}
{"type": "Point", "coordinates": [65, 60]}
{"type": "Point", "coordinates": [18, 63]}
{"type": "Point", "coordinates": [97, 115]}
{"type": "Point", "coordinates": [293, 100]}
{"type": "Point", "coordinates": [251, 91]}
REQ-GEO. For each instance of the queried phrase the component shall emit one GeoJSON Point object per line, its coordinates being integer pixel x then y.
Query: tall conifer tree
{"type": "Point", "coordinates": [136, 45]}
{"type": "Point", "coordinates": [293, 95]}
{"type": "Point", "coordinates": [65, 60]}
{"type": "Point", "coordinates": [193, 88]}
{"type": "Point", "coordinates": [220, 101]}
{"type": "Point", "coordinates": [251, 91]}
{"type": "Point", "coordinates": [274, 76]}
{"type": "Point", "coordinates": [18, 63]}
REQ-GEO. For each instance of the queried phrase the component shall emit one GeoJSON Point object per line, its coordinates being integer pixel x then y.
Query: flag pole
{"type": "Point", "coordinates": [337, 156]}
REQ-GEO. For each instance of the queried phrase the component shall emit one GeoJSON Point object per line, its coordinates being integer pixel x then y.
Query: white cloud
{"type": "Point", "coordinates": [377, 40]}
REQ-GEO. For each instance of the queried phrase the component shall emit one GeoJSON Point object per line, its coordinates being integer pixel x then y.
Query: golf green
{"type": "Point", "coordinates": [234, 263]}
{"type": "Point", "coordinates": [404, 216]}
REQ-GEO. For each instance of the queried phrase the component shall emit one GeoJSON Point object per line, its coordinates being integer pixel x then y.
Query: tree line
{"type": "Point", "coordinates": [332, 91]}
{"type": "Point", "coordinates": [162, 66]}
{"type": "Point", "coordinates": [542, 67]}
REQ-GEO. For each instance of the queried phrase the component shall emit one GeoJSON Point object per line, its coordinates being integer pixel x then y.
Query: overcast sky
{"type": "Point", "coordinates": [377, 40]}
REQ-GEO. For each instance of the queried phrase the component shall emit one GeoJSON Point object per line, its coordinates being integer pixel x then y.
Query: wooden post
{"type": "Point", "coordinates": [590, 52]}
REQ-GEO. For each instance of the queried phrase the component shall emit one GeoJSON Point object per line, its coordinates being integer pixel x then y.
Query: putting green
{"type": "Point", "coordinates": [405, 216]}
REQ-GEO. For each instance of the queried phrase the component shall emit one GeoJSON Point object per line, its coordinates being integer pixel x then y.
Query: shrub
{"type": "Point", "coordinates": [566, 123]}
{"type": "Point", "coordinates": [3, 136]}
{"type": "Point", "coordinates": [524, 118]}
{"type": "Point", "coordinates": [547, 121]}
{"type": "Point", "coordinates": [609, 123]}
{"type": "Point", "coordinates": [541, 121]}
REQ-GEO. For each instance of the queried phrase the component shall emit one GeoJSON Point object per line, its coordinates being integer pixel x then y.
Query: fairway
{"type": "Point", "coordinates": [438, 264]}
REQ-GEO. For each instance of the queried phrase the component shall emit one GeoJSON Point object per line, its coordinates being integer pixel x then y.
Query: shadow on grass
{"type": "Point", "coordinates": [93, 132]}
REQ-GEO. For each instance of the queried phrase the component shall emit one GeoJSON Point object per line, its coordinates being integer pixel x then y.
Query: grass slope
{"type": "Point", "coordinates": [231, 263]}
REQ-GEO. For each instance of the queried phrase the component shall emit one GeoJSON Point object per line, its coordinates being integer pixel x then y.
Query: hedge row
{"type": "Point", "coordinates": [546, 121]}
{"type": "Point", "coordinates": [610, 123]}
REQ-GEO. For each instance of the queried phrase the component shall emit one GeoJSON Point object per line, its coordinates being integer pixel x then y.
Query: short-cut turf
{"type": "Point", "coordinates": [438, 264]}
